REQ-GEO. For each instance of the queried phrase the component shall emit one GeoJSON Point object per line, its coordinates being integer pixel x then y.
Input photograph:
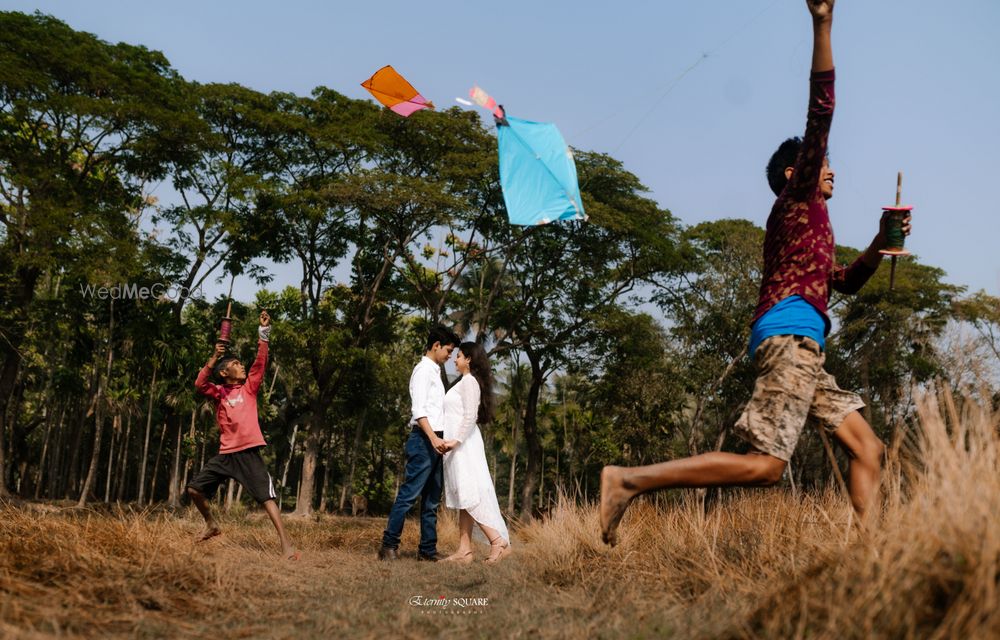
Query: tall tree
{"type": "Point", "coordinates": [83, 125]}
{"type": "Point", "coordinates": [216, 222]}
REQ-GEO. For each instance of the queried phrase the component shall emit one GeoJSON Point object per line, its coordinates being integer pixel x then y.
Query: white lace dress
{"type": "Point", "coordinates": [467, 481]}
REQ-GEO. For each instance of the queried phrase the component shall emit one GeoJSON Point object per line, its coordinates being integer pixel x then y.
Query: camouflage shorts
{"type": "Point", "coordinates": [791, 386]}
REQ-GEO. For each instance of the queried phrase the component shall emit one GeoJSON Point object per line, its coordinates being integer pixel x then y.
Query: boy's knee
{"type": "Point", "coordinates": [193, 493]}
{"type": "Point", "coordinates": [873, 452]}
{"type": "Point", "coordinates": [769, 470]}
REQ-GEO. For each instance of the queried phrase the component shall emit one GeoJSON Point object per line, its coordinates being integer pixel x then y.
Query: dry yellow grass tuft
{"type": "Point", "coordinates": [758, 564]}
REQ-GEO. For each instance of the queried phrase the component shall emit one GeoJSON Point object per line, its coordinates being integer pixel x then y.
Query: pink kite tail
{"type": "Point", "coordinates": [485, 101]}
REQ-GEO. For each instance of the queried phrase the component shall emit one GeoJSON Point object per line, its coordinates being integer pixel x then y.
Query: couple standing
{"type": "Point", "coordinates": [445, 450]}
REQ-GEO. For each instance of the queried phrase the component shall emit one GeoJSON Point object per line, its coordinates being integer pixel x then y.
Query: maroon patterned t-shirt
{"type": "Point", "coordinates": [798, 242]}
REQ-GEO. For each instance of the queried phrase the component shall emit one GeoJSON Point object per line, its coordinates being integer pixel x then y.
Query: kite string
{"type": "Point", "coordinates": [673, 83]}
{"type": "Point", "coordinates": [657, 103]}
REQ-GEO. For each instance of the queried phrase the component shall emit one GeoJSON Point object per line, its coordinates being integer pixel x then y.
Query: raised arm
{"type": "Point", "coordinates": [808, 166]}
{"type": "Point", "coordinates": [202, 383]}
{"type": "Point", "coordinates": [822, 15]}
{"type": "Point", "coordinates": [256, 375]}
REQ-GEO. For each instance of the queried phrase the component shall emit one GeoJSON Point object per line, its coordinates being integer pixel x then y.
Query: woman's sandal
{"type": "Point", "coordinates": [461, 558]}
{"type": "Point", "coordinates": [504, 551]}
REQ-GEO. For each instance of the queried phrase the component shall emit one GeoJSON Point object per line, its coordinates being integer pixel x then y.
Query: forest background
{"type": "Point", "coordinates": [621, 339]}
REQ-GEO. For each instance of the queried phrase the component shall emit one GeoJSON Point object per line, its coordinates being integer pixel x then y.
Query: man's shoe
{"type": "Point", "coordinates": [423, 557]}
{"type": "Point", "coordinates": [388, 553]}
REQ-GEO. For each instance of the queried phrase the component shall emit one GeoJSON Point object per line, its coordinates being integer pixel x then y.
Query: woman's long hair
{"type": "Point", "coordinates": [479, 366]}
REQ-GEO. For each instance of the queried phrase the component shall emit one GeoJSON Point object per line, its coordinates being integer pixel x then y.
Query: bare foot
{"type": "Point", "coordinates": [615, 498]}
{"type": "Point", "coordinates": [291, 554]}
{"type": "Point", "coordinates": [210, 532]}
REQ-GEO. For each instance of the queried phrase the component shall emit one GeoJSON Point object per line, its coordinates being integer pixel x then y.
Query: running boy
{"type": "Point", "coordinates": [788, 330]}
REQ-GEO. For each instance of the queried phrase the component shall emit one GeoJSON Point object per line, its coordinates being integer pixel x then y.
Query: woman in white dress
{"type": "Point", "coordinates": [468, 486]}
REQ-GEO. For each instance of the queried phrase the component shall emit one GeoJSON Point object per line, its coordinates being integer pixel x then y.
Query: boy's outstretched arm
{"type": "Point", "coordinates": [256, 375]}
{"type": "Point", "coordinates": [822, 15]}
{"type": "Point", "coordinates": [202, 383]}
{"type": "Point", "coordinates": [808, 166]}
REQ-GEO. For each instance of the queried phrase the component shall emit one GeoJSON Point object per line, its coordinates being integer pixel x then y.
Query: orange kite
{"type": "Point", "coordinates": [392, 90]}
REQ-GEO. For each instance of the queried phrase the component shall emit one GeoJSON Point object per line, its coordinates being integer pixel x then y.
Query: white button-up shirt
{"type": "Point", "coordinates": [427, 394]}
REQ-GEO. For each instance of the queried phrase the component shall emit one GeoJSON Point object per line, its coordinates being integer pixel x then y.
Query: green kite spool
{"type": "Point", "coordinates": [894, 230]}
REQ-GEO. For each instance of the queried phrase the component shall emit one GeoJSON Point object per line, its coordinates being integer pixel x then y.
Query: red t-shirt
{"type": "Point", "coordinates": [798, 243]}
{"type": "Point", "coordinates": [236, 405]}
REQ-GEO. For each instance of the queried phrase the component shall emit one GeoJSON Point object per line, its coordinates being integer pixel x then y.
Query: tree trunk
{"type": "Point", "coordinates": [145, 446]}
{"type": "Point", "coordinates": [188, 461]}
{"type": "Point", "coordinates": [307, 481]}
{"type": "Point", "coordinates": [99, 412]}
{"type": "Point", "coordinates": [353, 457]}
{"type": "Point", "coordinates": [15, 436]}
{"type": "Point", "coordinates": [327, 483]}
{"type": "Point", "coordinates": [532, 441]}
{"type": "Point", "coordinates": [288, 463]}
{"type": "Point", "coordinates": [173, 488]}
{"type": "Point", "coordinates": [21, 296]}
{"type": "Point", "coordinates": [123, 460]}
{"type": "Point", "coordinates": [204, 445]}
{"type": "Point", "coordinates": [116, 424]}
{"type": "Point", "coordinates": [45, 450]}
{"type": "Point", "coordinates": [11, 365]}
{"type": "Point", "coordinates": [541, 482]}
{"type": "Point", "coordinates": [229, 495]}
{"type": "Point", "coordinates": [57, 468]}
{"type": "Point", "coordinates": [156, 463]}
{"type": "Point", "coordinates": [73, 477]}
{"type": "Point", "coordinates": [513, 469]}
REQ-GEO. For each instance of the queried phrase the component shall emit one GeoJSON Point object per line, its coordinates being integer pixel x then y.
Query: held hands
{"type": "Point", "coordinates": [439, 445]}
{"type": "Point", "coordinates": [444, 446]}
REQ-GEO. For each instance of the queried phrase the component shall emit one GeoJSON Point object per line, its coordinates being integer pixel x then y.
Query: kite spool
{"type": "Point", "coordinates": [894, 230]}
{"type": "Point", "coordinates": [226, 326]}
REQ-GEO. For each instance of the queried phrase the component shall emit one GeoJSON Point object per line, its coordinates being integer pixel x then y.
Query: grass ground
{"type": "Point", "coordinates": [758, 564]}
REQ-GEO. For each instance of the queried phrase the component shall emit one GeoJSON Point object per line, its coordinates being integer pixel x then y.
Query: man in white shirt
{"type": "Point", "coordinates": [424, 448]}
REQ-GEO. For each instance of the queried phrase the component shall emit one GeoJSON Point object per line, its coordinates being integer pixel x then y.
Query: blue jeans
{"type": "Point", "coordinates": [424, 479]}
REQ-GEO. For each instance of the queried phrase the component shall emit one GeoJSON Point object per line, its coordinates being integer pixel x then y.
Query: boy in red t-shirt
{"type": "Point", "coordinates": [240, 436]}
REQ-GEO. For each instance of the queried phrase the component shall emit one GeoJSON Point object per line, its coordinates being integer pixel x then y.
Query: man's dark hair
{"type": "Point", "coordinates": [784, 157]}
{"type": "Point", "coordinates": [441, 334]}
{"type": "Point", "coordinates": [222, 363]}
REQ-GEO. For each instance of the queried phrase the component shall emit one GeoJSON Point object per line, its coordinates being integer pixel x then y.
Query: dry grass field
{"type": "Point", "coordinates": [758, 564]}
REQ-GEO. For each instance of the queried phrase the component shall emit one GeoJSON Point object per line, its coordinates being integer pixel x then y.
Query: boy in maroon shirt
{"type": "Point", "coordinates": [789, 327]}
{"type": "Point", "coordinates": [239, 434]}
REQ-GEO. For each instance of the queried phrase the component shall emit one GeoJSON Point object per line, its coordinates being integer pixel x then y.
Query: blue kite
{"type": "Point", "coordinates": [537, 172]}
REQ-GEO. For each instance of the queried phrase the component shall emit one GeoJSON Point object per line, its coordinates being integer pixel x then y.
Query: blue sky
{"type": "Point", "coordinates": [917, 90]}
